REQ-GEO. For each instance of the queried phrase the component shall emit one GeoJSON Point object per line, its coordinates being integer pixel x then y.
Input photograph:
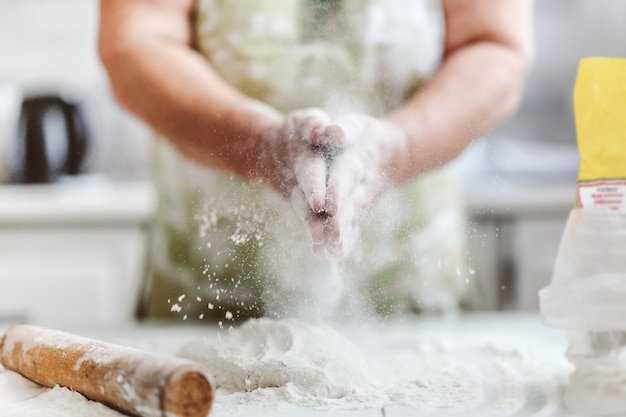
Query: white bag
{"type": "Point", "coordinates": [588, 288]}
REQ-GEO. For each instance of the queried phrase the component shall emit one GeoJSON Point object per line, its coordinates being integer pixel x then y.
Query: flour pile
{"type": "Point", "coordinates": [278, 363]}
{"type": "Point", "coordinates": [297, 358]}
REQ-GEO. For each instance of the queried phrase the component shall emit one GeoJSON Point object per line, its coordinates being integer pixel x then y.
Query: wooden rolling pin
{"type": "Point", "coordinates": [130, 380]}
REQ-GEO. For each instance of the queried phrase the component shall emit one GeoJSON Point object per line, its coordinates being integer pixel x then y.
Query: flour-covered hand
{"type": "Point", "coordinates": [293, 162]}
{"type": "Point", "coordinates": [359, 149]}
{"type": "Point", "coordinates": [285, 159]}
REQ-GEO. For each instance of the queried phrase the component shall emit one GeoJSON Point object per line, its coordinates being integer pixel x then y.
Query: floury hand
{"type": "Point", "coordinates": [332, 171]}
{"type": "Point", "coordinates": [295, 162]}
{"type": "Point", "coordinates": [357, 149]}
{"type": "Point", "coordinates": [283, 157]}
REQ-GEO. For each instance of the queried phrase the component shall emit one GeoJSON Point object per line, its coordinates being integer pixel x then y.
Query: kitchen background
{"type": "Point", "coordinates": [80, 246]}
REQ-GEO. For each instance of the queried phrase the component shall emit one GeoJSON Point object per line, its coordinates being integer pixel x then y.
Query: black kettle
{"type": "Point", "coordinates": [52, 140]}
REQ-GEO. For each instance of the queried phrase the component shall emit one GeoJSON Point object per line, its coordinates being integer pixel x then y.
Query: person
{"type": "Point", "coordinates": [303, 146]}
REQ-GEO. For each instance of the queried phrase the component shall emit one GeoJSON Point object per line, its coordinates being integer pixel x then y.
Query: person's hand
{"type": "Point", "coordinates": [292, 162]}
{"type": "Point", "coordinates": [358, 149]}
{"type": "Point", "coordinates": [331, 171]}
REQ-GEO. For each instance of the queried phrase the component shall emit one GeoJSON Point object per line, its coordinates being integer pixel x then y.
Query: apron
{"type": "Point", "coordinates": [226, 250]}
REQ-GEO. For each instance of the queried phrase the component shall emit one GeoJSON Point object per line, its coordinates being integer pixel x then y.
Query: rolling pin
{"type": "Point", "coordinates": [130, 380]}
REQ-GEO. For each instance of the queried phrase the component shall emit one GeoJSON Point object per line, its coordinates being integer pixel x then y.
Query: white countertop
{"type": "Point", "coordinates": [77, 200]}
{"type": "Point", "coordinates": [513, 354]}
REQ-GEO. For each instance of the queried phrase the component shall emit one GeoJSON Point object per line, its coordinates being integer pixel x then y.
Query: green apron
{"type": "Point", "coordinates": [225, 250]}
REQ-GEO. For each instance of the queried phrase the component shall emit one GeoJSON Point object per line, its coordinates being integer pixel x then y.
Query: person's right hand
{"type": "Point", "coordinates": [291, 161]}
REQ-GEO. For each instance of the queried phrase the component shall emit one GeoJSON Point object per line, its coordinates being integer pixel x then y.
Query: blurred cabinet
{"type": "Point", "coordinates": [515, 231]}
{"type": "Point", "coordinates": [73, 253]}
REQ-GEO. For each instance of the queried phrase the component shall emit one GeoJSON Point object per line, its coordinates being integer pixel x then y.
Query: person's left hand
{"type": "Point", "coordinates": [358, 150]}
{"type": "Point", "coordinates": [301, 171]}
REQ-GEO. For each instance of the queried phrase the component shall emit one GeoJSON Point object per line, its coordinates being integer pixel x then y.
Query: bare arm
{"type": "Point", "coordinates": [145, 46]}
{"type": "Point", "coordinates": [155, 73]}
{"type": "Point", "coordinates": [487, 54]}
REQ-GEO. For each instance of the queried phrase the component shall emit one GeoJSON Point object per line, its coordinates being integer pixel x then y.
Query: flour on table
{"type": "Point", "coordinates": [308, 361]}
{"type": "Point", "coordinates": [270, 363]}
{"type": "Point", "coordinates": [437, 367]}
{"type": "Point", "coordinates": [14, 387]}
{"type": "Point", "coordinates": [46, 402]}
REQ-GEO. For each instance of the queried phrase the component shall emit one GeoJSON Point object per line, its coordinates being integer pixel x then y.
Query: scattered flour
{"type": "Point", "coordinates": [275, 365]}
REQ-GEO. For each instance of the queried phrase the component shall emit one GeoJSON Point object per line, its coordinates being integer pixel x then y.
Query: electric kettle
{"type": "Point", "coordinates": [52, 140]}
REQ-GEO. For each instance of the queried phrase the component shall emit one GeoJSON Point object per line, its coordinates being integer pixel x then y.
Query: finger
{"type": "Point", "coordinates": [308, 123]}
{"type": "Point", "coordinates": [345, 245]}
{"type": "Point", "coordinates": [347, 172]}
{"type": "Point", "coordinates": [313, 225]}
{"type": "Point", "coordinates": [311, 171]}
{"type": "Point", "coordinates": [345, 131]}
{"type": "Point", "coordinates": [343, 231]}
{"type": "Point", "coordinates": [317, 228]}
{"type": "Point", "coordinates": [332, 136]}
{"type": "Point", "coordinates": [321, 250]}
{"type": "Point", "coordinates": [340, 223]}
{"type": "Point", "coordinates": [331, 230]}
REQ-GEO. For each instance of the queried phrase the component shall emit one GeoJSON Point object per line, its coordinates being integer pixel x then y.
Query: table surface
{"type": "Point", "coordinates": [88, 199]}
{"type": "Point", "coordinates": [515, 353]}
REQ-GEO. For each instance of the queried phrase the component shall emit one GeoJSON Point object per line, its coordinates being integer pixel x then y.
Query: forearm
{"type": "Point", "coordinates": [476, 88]}
{"type": "Point", "coordinates": [185, 105]}
{"type": "Point", "coordinates": [488, 50]}
{"type": "Point", "coordinates": [159, 78]}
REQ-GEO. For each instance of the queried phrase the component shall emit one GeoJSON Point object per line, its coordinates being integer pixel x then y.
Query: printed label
{"type": "Point", "coordinates": [607, 195]}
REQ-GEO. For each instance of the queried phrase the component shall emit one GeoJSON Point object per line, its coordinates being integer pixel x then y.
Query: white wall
{"type": "Point", "coordinates": [565, 32]}
{"type": "Point", "coordinates": [50, 46]}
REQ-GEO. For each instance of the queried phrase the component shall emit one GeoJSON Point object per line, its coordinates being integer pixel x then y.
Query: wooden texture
{"type": "Point", "coordinates": [130, 380]}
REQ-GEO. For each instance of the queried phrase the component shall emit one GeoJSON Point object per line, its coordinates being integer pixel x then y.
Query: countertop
{"type": "Point", "coordinates": [80, 200]}
{"type": "Point", "coordinates": [518, 362]}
